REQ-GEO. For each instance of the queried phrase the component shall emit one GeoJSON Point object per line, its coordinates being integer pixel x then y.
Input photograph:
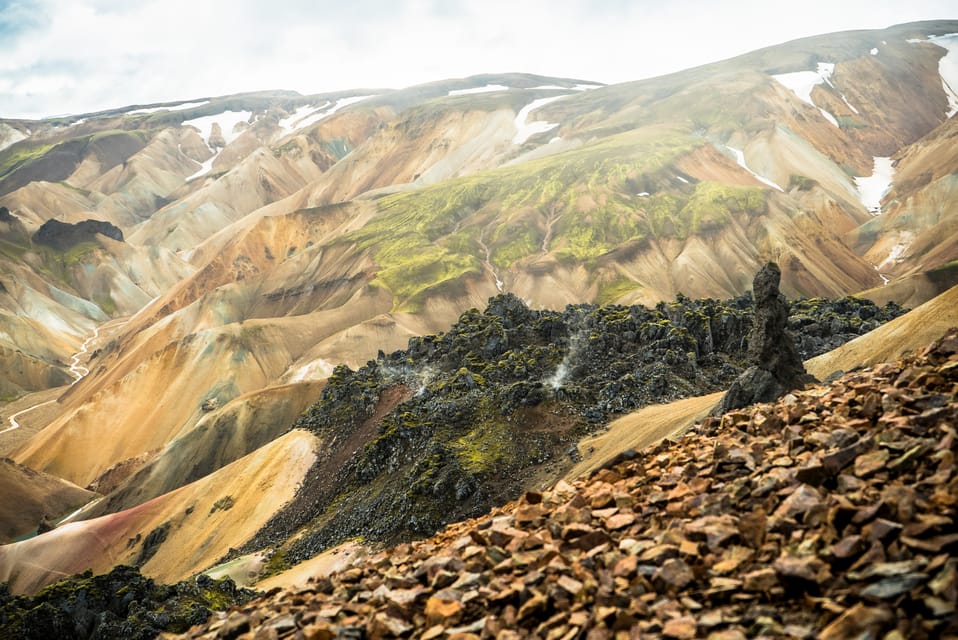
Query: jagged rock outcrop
{"type": "Point", "coordinates": [120, 604]}
{"type": "Point", "coordinates": [774, 364]}
{"type": "Point", "coordinates": [63, 235]}
{"type": "Point", "coordinates": [829, 514]}
{"type": "Point", "coordinates": [463, 421]}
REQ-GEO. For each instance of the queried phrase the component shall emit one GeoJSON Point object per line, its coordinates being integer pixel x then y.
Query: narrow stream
{"type": "Point", "coordinates": [77, 370]}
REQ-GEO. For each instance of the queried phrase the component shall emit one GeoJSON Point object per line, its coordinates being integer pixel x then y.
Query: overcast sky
{"type": "Point", "coordinates": [76, 56]}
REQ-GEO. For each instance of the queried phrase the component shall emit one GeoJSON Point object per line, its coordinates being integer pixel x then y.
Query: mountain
{"type": "Point", "coordinates": [260, 244]}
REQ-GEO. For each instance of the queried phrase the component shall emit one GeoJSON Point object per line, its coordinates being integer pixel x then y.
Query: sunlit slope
{"type": "Point", "coordinates": [639, 212]}
{"type": "Point", "coordinates": [175, 535]}
{"type": "Point", "coordinates": [29, 496]}
{"type": "Point", "coordinates": [221, 436]}
{"type": "Point", "coordinates": [907, 333]}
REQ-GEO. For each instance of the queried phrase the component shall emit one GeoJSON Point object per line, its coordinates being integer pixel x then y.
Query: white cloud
{"type": "Point", "coordinates": [83, 55]}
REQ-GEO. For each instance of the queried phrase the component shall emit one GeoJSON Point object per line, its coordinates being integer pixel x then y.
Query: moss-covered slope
{"type": "Point", "coordinates": [463, 420]}
{"type": "Point", "coordinates": [120, 604]}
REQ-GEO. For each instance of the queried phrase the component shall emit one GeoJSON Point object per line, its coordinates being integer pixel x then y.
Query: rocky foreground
{"type": "Point", "coordinates": [828, 514]}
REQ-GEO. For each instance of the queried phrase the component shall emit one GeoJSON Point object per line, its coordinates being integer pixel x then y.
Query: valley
{"type": "Point", "coordinates": [238, 331]}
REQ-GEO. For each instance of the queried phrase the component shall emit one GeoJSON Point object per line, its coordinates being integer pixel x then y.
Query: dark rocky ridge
{"type": "Point", "coordinates": [461, 421]}
{"type": "Point", "coordinates": [63, 235]}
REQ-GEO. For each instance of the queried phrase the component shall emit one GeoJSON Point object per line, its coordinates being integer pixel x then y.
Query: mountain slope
{"type": "Point", "coordinates": [270, 237]}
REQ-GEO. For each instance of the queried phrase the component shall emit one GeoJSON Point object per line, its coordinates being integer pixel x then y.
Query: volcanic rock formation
{"type": "Point", "coordinates": [775, 366]}
{"type": "Point", "coordinates": [63, 235]}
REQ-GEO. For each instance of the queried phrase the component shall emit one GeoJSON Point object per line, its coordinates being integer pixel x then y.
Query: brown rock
{"type": "Point", "coordinates": [813, 474]}
{"type": "Point", "coordinates": [838, 460]}
{"type": "Point", "coordinates": [442, 611]}
{"type": "Point", "coordinates": [533, 606]}
{"type": "Point", "coordinates": [235, 625]}
{"type": "Point", "coordinates": [847, 547]}
{"type": "Point", "coordinates": [674, 574]}
{"type": "Point", "coordinates": [570, 585]}
{"type": "Point", "coordinates": [384, 625]}
{"type": "Point", "coordinates": [620, 521]}
{"type": "Point", "coordinates": [727, 634]}
{"type": "Point", "coordinates": [761, 580]}
{"type": "Point", "coordinates": [804, 504]}
{"type": "Point", "coordinates": [682, 628]}
{"type": "Point", "coordinates": [732, 559]}
{"type": "Point", "coordinates": [856, 621]}
{"type": "Point", "coordinates": [807, 568]}
{"type": "Point", "coordinates": [870, 463]}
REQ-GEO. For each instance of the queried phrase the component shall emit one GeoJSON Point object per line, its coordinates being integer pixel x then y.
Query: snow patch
{"type": "Point", "coordinates": [297, 121]}
{"type": "Point", "coordinates": [740, 159]}
{"type": "Point", "coordinates": [318, 369]}
{"type": "Point", "coordinates": [179, 107]}
{"type": "Point", "coordinates": [299, 118]}
{"type": "Point", "coordinates": [489, 88]}
{"type": "Point", "coordinates": [801, 84]}
{"type": "Point", "coordinates": [73, 515]}
{"type": "Point", "coordinates": [227, 121]}
{"type": "Point", "coordinates": [829, 116]}
{"type": "Point", "coordinates": [578, 87]}
{"type": "Point", "coordinates": [205, 168]}
{"type": "Point", "coordinates": [872, 188]}
{"type": "Point", "coordinates": [897, 253]}
{"type": "Point", "coordinates": [948, 69]}
{"type": "Point", "coordinates": [10, 136]}
{"type": "Point", "coordinates": [849, 104]}
{"type": "Point", "coordinates": [526, 129]}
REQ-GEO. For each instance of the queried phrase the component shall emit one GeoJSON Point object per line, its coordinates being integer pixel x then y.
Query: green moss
{"type": "Point", "coordinates": [106, 302]}
{"type": "Point", "coordinates": [802, 183]}
{"type": "Point", "coordinates": [485, 448]}
{"type": "Point", "coordinates": [513, 242]}
{"type": "Point", "coordinates": [291, 148]}
{"type": "Point", "coordinates": [338, 147]}
{"type": "Point", "coordinates": [277, 563]}
{"type": "Point", "coordinates": [712, 205]}
{"type": "Point", "coordinates": [611, 291]}
{"type": "Point", "coordinates": [587, 234]}
{"type": "Point", "coordinates": [12, 250]}
{"type": "Point", "coordinates": [429, 236]}
{"type": "Point", "coordinates": [118, 134]}
{"type": "Point", "coordinates": [22, 153]}
{"type": "Point", "coordinates": [75, 254]}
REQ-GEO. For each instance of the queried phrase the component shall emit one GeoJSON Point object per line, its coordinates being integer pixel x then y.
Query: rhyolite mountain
{"type": "Point", "coordinates": [264, 239]}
